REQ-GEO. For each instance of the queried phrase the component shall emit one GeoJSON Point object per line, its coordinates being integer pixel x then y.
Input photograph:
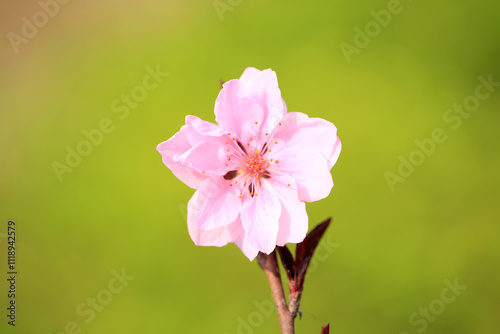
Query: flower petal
{"type": "Point", "coordinates": [214, 204]}
{"type": "Point", "coordinates": [263, 87]}
{"type": "Point", "coordinates": [176, 145]}
{"type": "Point", "coordinates": [238, 113]}
{"type": "Point", "coordinates": [310, 171]}
{"type": "Point", "coordinates": [199, 129]}
{"type": "Point", "coordinates": [298, 131]}
{"type": "Point", "coordinates": [181, 156]}
{"type": "Point", "coordinates": [293, 222]}
{"type": "Point", "coordinates": [207, 157]}
{"type": "Point", "coordinates": [215, 237]}
{"type": "Point", "coordinates": [238, 236]}
{"type": "Point", "coordinates": [337, 147]}
{"type": "Point", "coordinates": [307, 149]}
{"type": "Point", "coordinates": [260, 217]}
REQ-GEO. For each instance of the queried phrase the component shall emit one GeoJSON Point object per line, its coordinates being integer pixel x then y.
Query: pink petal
{"type": "Point", "coordinates": [311, 174]}
{"type": "Point", "coordinates": [176, 145]}
{"type": "Point", "coordinates": [293, 222]}
{"type": "Point", "coordinates": [215, 237]}
{"type": "Point", "coordinates": [207, 157]}
{"type": "Point", "coordinates": [337, 147]}
{"type": "Point", "coordinates": [298, 131]}
{"type": "Point", "coordinates": [214, 204]}
{"type": "Point", "coordinates": [307, 149]}
{"type": "Point", "coordinates": [249, 73]}
{"type": "Point", "coordinates": [260, 217]}
{"type": "Point", "coordinates": [199, 129]}
{"type": "Point", "coordinates": [178, 154]}
{"type": "Point", "coordinates": [263, 87]}
{"type": "Point", "coordinates": [238, 236]}
{"type": "Point", "coordinates": [237, 113]}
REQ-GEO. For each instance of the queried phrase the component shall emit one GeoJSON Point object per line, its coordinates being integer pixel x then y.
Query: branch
{"type": "Point", "coordinates": [270, 266]}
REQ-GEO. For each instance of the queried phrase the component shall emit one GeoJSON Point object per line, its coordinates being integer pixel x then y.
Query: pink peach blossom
{"type": "Point", "coordinates": [254, 170]}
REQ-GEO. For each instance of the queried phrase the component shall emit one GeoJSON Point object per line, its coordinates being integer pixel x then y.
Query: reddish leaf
{"type": "Point", "coordinates": [305, 250]}
{"type": "Point", "coordinates": [326, 329]}
{"type": "Point", "coordinates": [288, 262]}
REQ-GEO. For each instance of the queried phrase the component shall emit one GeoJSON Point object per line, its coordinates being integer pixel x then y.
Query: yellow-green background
{"type": "Point", "coordinates": [122, 208]}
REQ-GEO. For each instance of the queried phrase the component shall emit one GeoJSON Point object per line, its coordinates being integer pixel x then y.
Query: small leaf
{"type": "Point", "coordinates": [305, 250]}
{"type": "Point", "coordinates": [326, 329]}
{"type": "Point", "coordinates": [288, 262]}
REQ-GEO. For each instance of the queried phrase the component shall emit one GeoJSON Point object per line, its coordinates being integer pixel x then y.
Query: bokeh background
{"type": "Point", "coordinates": [388, 251]}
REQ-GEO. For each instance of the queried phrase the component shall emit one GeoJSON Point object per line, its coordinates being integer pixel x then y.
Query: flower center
{"type": "Point", "coordinates": [246, 170]}
{"type": "Point", "coordinates": [256, 164]}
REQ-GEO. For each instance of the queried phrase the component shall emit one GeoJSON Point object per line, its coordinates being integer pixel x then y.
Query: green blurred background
{"type": "Point", "coordinates": [389, 252]}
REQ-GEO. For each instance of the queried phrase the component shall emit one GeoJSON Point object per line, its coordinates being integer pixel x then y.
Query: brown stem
{"type": "Point", "coordinates": [295, 302]}
{"type": "Point", "coordinates": [270, 267]}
